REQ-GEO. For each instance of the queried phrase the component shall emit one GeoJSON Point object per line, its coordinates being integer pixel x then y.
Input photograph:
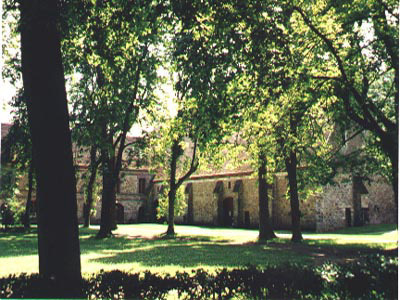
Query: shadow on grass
{"type": "Point", "coordinates": [204, 254]}
{"type": "Point", "coordinates": [192, 251]}
{"type": "Point", "coordinates": [368, 229]}
{"type": "Point", "coordinates": [18, 243]}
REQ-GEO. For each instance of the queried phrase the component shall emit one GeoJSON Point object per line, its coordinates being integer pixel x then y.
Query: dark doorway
{"type": "Point", "coordinates": [246, 219]}
{"type": "Point", "coordinates": [228, 211]}
{"type": "Point", "coordinates": [141, 215]}
{"type": "Point", "coordinates": [365, 215]}
{"type": "Point", "coordinates": [348, 217]}
{"type": "Point", "coordinates": [119, 212]}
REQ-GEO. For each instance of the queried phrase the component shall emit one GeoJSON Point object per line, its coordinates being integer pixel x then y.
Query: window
{"type": "Point", "coordinates": [142, 185]}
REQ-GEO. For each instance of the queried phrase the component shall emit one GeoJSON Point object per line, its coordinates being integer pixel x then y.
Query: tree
{"type": "Point", "coordinates": [17, 152]}
{"type": "Point", "coordinates": [117, 59]}
{"type": "Point", "coordinates": [44, 87]}
{"type": "Point", "coordinates": [265, 227]}
{"type": "Point", "coordinates": [358, 57]}
{"type": "Point", "coordinates": [17, 146]}
{"type": "Point", "coordinates": [93, 166]}
{"type": "Point", "coordinates": [168, 155]}
{"type": "Point", "coordinates": [234, 61]}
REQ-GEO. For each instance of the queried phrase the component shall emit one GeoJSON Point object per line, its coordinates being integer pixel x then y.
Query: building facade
{"type": "Point", "coordinates": [231, 199]}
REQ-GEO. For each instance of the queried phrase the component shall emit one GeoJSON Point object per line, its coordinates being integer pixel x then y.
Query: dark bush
{"type": "Point", "coordinates": [374, 277]}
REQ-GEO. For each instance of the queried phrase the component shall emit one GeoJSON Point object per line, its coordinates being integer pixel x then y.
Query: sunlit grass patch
{"type": "Point", "coordinates": [140, 247]}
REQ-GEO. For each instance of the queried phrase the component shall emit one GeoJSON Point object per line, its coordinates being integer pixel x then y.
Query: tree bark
{"type": "Point", "coordinates": [291, 168]}
{"type": "Point", "coordinates": [265, 225]}
{"type": "Point", "coordinates": [89, 192]}
{"type": "Point", "coordinates": [27, 220]}
{"type": "Point", "coordinates": [390, 146]}
{"type": "Point", "coordinates": [44, 83]}
{"type": "Point", "coordinates": [108, 197]}
{"type": "Point", "coordinates": [172, 188]}
{"type": "Point", "coordinates": [174, 184]}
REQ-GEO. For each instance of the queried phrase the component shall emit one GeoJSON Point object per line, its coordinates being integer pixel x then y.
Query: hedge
{"type": "Point", "coordinates": [374, 277]}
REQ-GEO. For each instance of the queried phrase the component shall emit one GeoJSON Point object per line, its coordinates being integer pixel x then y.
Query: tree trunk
{"type": "Point", "coordinates": [172, 188]}
{"type": "Point", "coordinates": [108, 199]}
{"type": "Point", "coordinates": [265, 225]}
{"type": "Point", "coordinates": [291, 168]}
{"type": "Point", "coordinates": [357, 209]}
{"type": "Point", "coordinates": [390, 146]}
{"type": "Point", "coordinates": [395, 178]}
{"type": "Point", "coordinates": [89, 192]}
{"type": "Point", "coordinates": [27, 220]}
{"type": "Point", "coordinates": [171, 212]}
{"type": "Point", "coordinates": [44, 83]}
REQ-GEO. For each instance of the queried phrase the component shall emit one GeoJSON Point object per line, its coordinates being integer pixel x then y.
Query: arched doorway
{"type": "Point", "coordinates": [227, 206]}
{"type": "Point", "coordinates": [119, 213]}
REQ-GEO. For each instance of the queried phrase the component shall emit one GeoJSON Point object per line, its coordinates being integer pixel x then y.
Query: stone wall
{"type": "Point", "coordinates": [281, 216]}
{"type": "Point", "coordinates": [377, 205]}
{"type": "Point", "coordinates": [205, 205]}
{"type": "Point", "coordinates": [331, 206]}
{"type": "Point", "coordinates": [380, 202]}
{"type": "Point", "coordinates": [128, 196]}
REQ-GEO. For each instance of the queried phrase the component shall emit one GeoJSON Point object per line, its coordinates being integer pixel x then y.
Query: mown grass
{"type": "Point", "coordinates": [140, 247]}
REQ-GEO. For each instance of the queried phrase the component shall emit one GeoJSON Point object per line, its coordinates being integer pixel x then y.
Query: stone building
{"type": "Point", "coordinates": [132, 188]}
{"type": "Point", "coordinates": [131, 196]}
{"type": "Point", "coordinates": [230, 198]}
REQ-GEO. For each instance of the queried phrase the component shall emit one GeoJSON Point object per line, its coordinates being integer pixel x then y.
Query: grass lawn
{"type": "Point", "coordinates": [142, 247]}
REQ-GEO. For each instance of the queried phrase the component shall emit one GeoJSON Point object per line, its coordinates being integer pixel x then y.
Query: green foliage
{"type": "Point", "coordinates": [180, 202]}
{"type": "Point", "coordinates": [375, 278]}
{"type": "Point", "coordinates": [16, 158]}
{"type": "Point", "coordinates": [112, 55]}
{"type": "Point", "coordinates": [350, 52]}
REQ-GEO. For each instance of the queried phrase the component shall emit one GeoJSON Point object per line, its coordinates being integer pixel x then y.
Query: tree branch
{"type": "Point", "coordinates": [367, 121]}
{"type": "Point", "coordinates": [193, 167]}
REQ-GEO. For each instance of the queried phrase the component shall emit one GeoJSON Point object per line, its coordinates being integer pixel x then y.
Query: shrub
{"type": "Point", "coordinates": [374, 277]}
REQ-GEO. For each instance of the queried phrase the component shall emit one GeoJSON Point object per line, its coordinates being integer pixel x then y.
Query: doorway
{"type": "Point", "coordinates": [119, 210]}
{"type": "Point", "coordinates": [228, 211]}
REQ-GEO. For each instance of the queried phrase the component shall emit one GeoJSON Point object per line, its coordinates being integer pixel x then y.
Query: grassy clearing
{"type": "Point", "coordinates": [142, 247]}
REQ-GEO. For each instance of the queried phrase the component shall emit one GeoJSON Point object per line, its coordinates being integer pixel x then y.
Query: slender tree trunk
{"type": "Point", "coordinates": [172, 188]}
{"type": "Point", "coordinates": [291, 168]}
{"type": "Point", "coordinates": [357, 202]}
{"type": "Point", "coordinates": [265, 225]}
{"type": "Point", "coordinates": [395, 178]}
{"type": "Point", "coordinates": [171, 212]}
{"type": "Point", "coordinates": [390, 146]}
{"type": "Point", "coordinates": [27, 220]}
{"type": "Point", "coordinates": [89, 192]}
{"type": "Point", "coordinates": [43, 79]}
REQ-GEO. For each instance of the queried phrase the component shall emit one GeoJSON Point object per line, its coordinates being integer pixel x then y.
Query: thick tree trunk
{"type": "Point", "coordinates": [43, 79]}
{"type": "Point", "coordinates": [27, 220]}
{"type": "Point", "coordinates": [172, 188]}
{"type": "Point", "coordinates": [291, 168]}
{"type": "Point", "coordinates": [89, 192]}
{"type": "Point", "coordinates": [265, 225]}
